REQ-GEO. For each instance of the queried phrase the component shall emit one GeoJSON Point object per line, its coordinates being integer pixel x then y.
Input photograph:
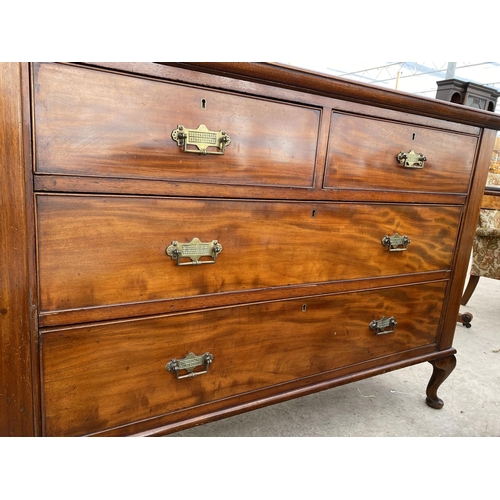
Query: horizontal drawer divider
{"type": "Point", "coordinates": [230, 299]}
{"type": "Point", "coordinates": [52, 183]}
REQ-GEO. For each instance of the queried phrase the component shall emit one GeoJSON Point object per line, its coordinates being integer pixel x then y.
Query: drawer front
{"type": "Point", "coordinates": [107, 375]}
{"type": "Point", "coordinates": [97, 250]}
{"type": "Point", "coordinates": [95, 123]}
{"type": "Point", "coordinates": [362, 154]}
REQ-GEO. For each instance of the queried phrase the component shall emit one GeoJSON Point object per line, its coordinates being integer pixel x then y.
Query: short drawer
{"type": "Point", "coordinates": [96, 123]}
{"type": "Point", "coordinates": [99, 250]}
{"type": "Point", "coordinates": [362, 154]}
{"type": "Point", "coordinates": [98, 377]}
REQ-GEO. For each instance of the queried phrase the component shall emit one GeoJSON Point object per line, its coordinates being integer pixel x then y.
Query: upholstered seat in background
{"type": "Point", "coordinates": [486, 246]}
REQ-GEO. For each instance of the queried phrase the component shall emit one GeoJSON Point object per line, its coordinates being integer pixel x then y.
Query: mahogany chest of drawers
{"type": "Point", "coordinates": [181, 243]}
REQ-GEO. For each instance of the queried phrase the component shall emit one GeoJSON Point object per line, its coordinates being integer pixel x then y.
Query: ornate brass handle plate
{"type": "Point", "coordinates": [411, 159]}
{"type": "Point", "coordinates": [383, 325]}
{"type": "Point", "coordinates": [194, 250]}
{"type": "Point", "coordinates": [189, 363]}
{"type": "Point", "coordinates": [396, 243]}
{"type": "Point", "coordinates": [202, 139]}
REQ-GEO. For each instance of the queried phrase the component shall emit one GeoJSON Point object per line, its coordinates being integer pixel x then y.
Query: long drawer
{"type": "Point", "coordinates": [101, 376]}
{"type": "Point", "coordinates": [363, 154]}
{"type": "Point", "coordinates": [99, 250]}
{"type": "Point", "coordinates": [96, 123]}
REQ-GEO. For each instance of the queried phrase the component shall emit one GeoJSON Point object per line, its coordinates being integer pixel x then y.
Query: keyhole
{"type": "Point", "coordinates": [203, 104]}
{"type": "Point", "coordinates": [413, 137]}
{"type": "Point", "coordinates": [304, 307]}
{"type": "Point", "coordinates": [313, 213]}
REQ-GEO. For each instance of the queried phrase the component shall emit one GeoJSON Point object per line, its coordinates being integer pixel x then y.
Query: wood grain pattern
{"type": "Point", "coordinates": [491, 200]}
{"type": "Point", "coordinates": [299, 94]}
{"type": "Point", "coordinates": [189, 417]}
{"type": "Point", "coordinates": [102, 376]}
{"type": "Point", "coordinates": [95, 123]}
{"type": "Point", "coordinates": [300, 202]}
{"type": "Point", "coordinates": [466, 237]}
{"type": "Point", "coordinates": [97, 250]}
{"type": "Point", "coordinates": [173, 305]}
{"type": "Point", "coordinates": [50, 183]}
{"type": "Point", "coordinates": [16, 382]}
{"type": "Point", "coordinates": [299, 79]}
{"type": "Point", "coordinates": [362, 155]}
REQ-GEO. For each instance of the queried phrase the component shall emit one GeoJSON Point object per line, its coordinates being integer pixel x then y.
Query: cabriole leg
{"type": "Point", "coordinates": [441, 369]}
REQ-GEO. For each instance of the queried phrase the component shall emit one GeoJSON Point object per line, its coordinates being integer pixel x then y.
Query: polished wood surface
{"type": "Point", "coordinates": [17, 402]}
{"type": "Point", "coordinates": [362, 155]}
{"type": "Point", "coordinates": [491, 200]}
{"type": "Point", "coordinates": [441, 369]}
{"type": "Point", "coordinates": [466, 237]}
{"type": "Point", "coordinates": [95, 123]}
{"type": "Point", "coordinates": [300, 201]}
{"type": "Point", "coordinates": [471, 286]}
{"type": "Point", "coordinates": [313, 83]}
{"type": "Point", "coordinates": [111, 250]}
{"type": "Point", "coordinates": [194, 303]}
{"type": "Point", "coordinates": [102, 376]}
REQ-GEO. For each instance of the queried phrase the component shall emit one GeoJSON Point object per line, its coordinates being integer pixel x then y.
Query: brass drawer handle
{"type": "Point", "coordinates": [396, 243]}
{"type": "Point", "coordinates": [202, 139]}
{"type": "Point", "coordinates": [411, 159]}
{"type": "Point", "coordinates": [194, 250]}
{"type": "Point", "coordinates": [380, 326]}
{"type": "Point", "coordinates": [189, 363]}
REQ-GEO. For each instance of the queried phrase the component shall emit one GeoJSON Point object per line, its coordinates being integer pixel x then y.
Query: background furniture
{"type": "Point", "coordinates": [467, 93]}
{"type": "Point", "coordinates": [486, 246]}
{"type": "Point", "coordinates": [181, 243]}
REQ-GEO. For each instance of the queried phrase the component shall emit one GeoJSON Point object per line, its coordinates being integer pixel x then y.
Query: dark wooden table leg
{"type": "Point", "coordinates": [441, 369]}
{"type": "Point", "coordinates": [471, 286]}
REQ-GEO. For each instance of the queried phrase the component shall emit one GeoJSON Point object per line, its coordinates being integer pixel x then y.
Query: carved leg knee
{"type": "Point", "coordinates": [441, 369]}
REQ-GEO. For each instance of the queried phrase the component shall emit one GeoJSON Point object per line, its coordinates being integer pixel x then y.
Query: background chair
{"type": "Point", "coordinates": [486, 246]}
